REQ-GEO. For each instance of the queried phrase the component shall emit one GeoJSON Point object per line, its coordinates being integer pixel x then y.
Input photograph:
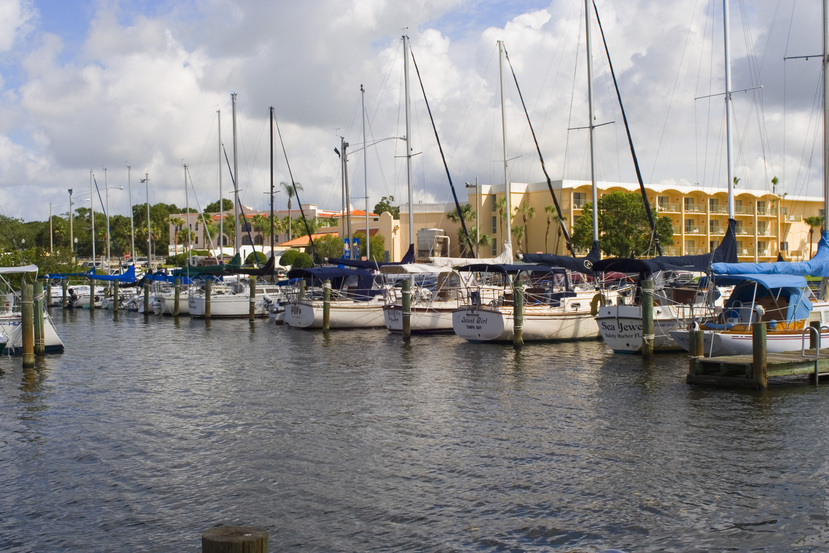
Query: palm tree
{"type": "Point", "coordinates": [527, 212]}
{"type": "Point", "coordinates": [501, 207]}
{"type": "Point", "coordinates": [466, 214]}
{"type": "Point", "coordinates": [814, 222]}
{"type": "Point", "coordinates": [290, 190]}
{"type": "Point", "coordinates": [177, 222]}
{"type": "Point", "coordinates": [552, 217]}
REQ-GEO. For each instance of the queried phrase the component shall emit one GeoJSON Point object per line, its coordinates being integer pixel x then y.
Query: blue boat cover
{"type": "Point", "coordinates": [340, 278]}
{"type": "Point", "coordinates": [127, 276]}
{"type": "Point", "coordinates": [367, 264]}
{"type": "Point", "coordinates": [792, 287]}
{"type": "Point", "coordinates": [818, 266]}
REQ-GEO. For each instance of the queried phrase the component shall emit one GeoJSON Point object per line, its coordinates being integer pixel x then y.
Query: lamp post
{"type": "Point", "coordinates": [477, 215]}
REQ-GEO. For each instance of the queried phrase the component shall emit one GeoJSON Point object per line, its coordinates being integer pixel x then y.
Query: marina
{"type": "Point", "coordinates": [147, 431]}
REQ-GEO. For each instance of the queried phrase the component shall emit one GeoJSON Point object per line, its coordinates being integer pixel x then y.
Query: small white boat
{"type": "Point", "coordinates": [11, 320]}
{"type": "Point", "coordinates": [230, 301]}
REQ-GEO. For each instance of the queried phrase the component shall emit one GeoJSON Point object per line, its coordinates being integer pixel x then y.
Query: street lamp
{"type": "Point", "coordinates": [477, 215]}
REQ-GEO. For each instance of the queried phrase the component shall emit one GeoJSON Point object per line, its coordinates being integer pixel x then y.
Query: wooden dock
{"type": "Point", "coordinates": [754, 371]}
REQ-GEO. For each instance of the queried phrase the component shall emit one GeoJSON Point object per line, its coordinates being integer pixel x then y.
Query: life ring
{"type": "Point", "coordinates": [597, 300]}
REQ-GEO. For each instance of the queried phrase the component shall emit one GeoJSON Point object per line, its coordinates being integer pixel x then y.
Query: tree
{"type": "Point", "coordinates": [501, 208]}
{"type": "Point", "coordinates": [465, 214]}
{"type": "Point", "coordinates": [815, 221]}
{"type": "Point", "coordinates": [329, 245]}
{"type": "Point", "coordinates": [290, 190]}
{"type": "Point", "coordinates": [624, 230]}
{"type": "Point", "coordinates": [227, 205]}
{"type": "Point", "coordinates": [385, 204]}
{"type": "Point", "coordinates": [527, 212]}
{"type": "Point", "coordinates": [178, 223]}
{"type": "Point", "coordinates": [552, 217]}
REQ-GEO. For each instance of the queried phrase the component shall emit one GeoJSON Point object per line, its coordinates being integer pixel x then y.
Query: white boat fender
{"type": "Point", "coordinates": [597, 300]}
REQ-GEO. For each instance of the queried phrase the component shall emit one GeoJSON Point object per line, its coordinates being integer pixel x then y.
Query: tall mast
{"type": "Point", "coordinates": [92, 215]}
{"type": "Point", "coordinates": [507, 187]}
{"type": "Point", "coordinates": [728, 138]}
{"type": "Point", "coordinates": [408, 137]}
{"type": "Point", "coordinates": [106, 208]}
{"type": "Point", "coordinates": [132, 223]}
{"type": "Point", "coordinates": [590, 127]}
{"type": "Point", "coordinates": [221, 200]}
{"type": "Point", "coordinates": [365, 165]}
{"type": "Point", "coordinates": [825, 112]}
{"type": "Point", "coordinates": [271, 111]}
{"type": "Point", "coordinates": [236, 237]}
{"type": "Point", "coordinates": [149, 225]}
{"type": "Point", "coordinates": [187, 216]}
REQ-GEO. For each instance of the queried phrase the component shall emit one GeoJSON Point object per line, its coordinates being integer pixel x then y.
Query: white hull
{"type": "Point", "coordinates": [11, 325]}
{"type": "Point", "coordinates": [434, 319]}
{"type": "Point", "coordinates": [225, 306]}
{"type": "Point", "coordinates": [621, 326]}
{"type": "Point", "coordinates": [716, 344]}
{"type": "Point", "coordinates": [540, 323]}
{"type": "Point", "coordinates": [342, 314]}
{"type": "Point", "coordinates": [165, 304]}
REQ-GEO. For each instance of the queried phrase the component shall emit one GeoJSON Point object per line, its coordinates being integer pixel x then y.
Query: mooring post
{"type": "Point", "coordinates": [758, 350]}
{"type": "Point", "coordinates": [407, 310]}
{"type": "Point", "coordinates": [302, 289]}
{"type": "Point", "coordinates": [92, 297]}
{"type": "Point", "coordinates": [48, 290]}
{"type": "Point", "coordinates": [37, 292]}
{"type": "Point", "coordinates": [208, 289]}
{"type": "Point", "coordinates": [146, 299]}
{"type": "Point", "coordinates": [234, 539]}
{"type": "Point", "coordinates": [647, 318]}
{"type": "Point", "coordinates": [65, 286]}
{"type": "Point", "coordinates": [116, 296]}
{"type": "Point", "coordinates": [27, 315]}
{"type": "Point", "coordinates": [696, 350]}
{"type": "Point", "coordinates": [177, 297]}
{"type": "Point", "coordinates": [252, 302]}
{"type": "Point", "coordinates": [518, 316]}
{"type": "Point", "coordinates": [326, 304]}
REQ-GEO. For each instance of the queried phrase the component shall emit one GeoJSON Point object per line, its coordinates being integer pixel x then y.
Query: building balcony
{"type": "Point", "coordinates": [668, 208]}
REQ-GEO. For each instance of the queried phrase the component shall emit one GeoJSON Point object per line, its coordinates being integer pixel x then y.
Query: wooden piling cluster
{"type": "Point", "coordinates": [755, 370]}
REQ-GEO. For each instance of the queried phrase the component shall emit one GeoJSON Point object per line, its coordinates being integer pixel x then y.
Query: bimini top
{"type": "Point", "coordinates": [792, 287]}
{"type": "Point", "coordinates": [818, 266]}
{"type": "Point", "coordinates": [360, 280]}
{"type": "Point", "coordinates": [578, 264]}
{"type": "Point", "coordinates": [509, 268]}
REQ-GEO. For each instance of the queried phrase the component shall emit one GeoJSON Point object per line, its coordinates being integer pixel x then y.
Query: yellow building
{"type": "Point", "coordinates": [767, 223]}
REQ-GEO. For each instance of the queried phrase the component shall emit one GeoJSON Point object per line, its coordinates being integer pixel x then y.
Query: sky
{"type": "Point", "coordinates": [108, 92]}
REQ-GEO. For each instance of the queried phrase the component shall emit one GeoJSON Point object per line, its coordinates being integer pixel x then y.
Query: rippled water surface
{"type": "Point", "coordinates": [145, 433]}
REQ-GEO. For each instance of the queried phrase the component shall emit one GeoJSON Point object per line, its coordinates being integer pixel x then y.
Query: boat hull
{"type": "Point", "coordinates": [621, 327]}
{"type": "Point", "coordinates": [722, 343]}
{"type": "Point", "coordinates": [342, 314]}
{"type": "Point", "coordinates": [424, 320]}
{"type": "Point", "coordinates": [12, 325]}
{"type": "Point", "coordinates": [540, 324]}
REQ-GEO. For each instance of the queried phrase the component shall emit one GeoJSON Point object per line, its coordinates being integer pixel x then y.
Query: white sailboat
{"type": "Point", "coordinates": [11, 319]}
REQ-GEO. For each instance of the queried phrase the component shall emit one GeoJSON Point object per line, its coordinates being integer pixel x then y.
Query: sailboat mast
{"type": "Point", "coordinates": [272, 229]}
{"type": "Point", "coordinates": [132, 222]}
{"type": "Point", "coordinates": [187, 217]}
{"type": "Point", "coordinates": [825, 112]}
{"type": "Point", "coordinates": [408, 137]}
{"type": "Point", "coordinates": [507, 187]}
{"type": "Point", "coordinates": [221, 201]}
{"type": "Point", "coordinates": [590, 126]}
{"type": "Point", "coordinates": [236, 237]}
{"type": "Point", "coordinates": [92, 215]}
{"type": "Point", "coordinates": [149, 226]}
{"type": "Point", "coordinates": [365, 165]}
{"type": "Point", "coordinates": [728, 138]}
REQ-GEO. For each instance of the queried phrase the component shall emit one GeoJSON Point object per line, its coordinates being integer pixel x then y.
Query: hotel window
{"type": "Point", "coordinates": [689, 246]}
{"type": "Point", "coordinates": [494, 249]}
{"type": "Point", "coordinates": [713, 204]}
{"type": "Point", "coordinates": [762, 226]}
{"type": "Point", "coordinates": [579, 199]}
{"type": "Point", "coordinates": [712, 245]}
{"type": "Point", "coordinates": [662, 203]}
{"type": "Point", "coordinates": [689, 204]}
{"type": "Point", "coordinates": [714, 227]}
{"type": "Point", "coordinates": [784, 246]}
{"type": "Point", "coordinates": [494, 225]}
{"type": "Point", "coordinates": [761, 207]}
{"type": "Point", "coordinates": [762, 246]}
{"type": "Point", "coordinates": [689, 225]}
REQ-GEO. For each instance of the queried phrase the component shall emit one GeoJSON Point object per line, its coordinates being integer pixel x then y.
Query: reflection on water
{"type": "Point", "coordinates": [148, 431]}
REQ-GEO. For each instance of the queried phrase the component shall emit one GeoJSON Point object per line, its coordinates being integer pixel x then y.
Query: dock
{"type": "Point", "coordinates": [754, 371]}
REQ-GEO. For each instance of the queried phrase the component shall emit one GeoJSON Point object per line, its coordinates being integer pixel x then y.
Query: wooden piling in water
{"type": "Point", "coordinates": [116, 296]}
{"type": "Point", "coordinates": [758, 350]}
{"type": "Point", "coordinates": [696, 350]}
{"type": "Point", "coordinates": [27, 316]}
{"type": "Point", "coordinates": [647, 318]}
{"type": "Point", "coordinates": [146, 299]}
{"type": "Point", "coordinates": [177, 299]}
{"type": "Point", "coordinates": [234, 539]}
{"type": "Point", "coordinates": [252, 302]}
{"type": "Point", "coordinates": [208, 289]}
{"type": "Point", "coordinates": [65, 286]}
{"type": "Point", "coordinates": [37, 296]}
{"type": "Point", "coordinates": [407, 310]}
{"type": "Point", "coordinates": [518, 316]}
{"type": "Point", "coordinates": [326, 305]}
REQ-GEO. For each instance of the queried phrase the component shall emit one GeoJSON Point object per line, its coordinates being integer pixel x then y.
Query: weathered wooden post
{"type": "Point", "coordinates": [65, 285]}
{"type": "Point", "coordinates": [48, 297]}
{"type": "Point", "coordinates": [177, 298]}
{"type": "Point", "coordinates": [234, 539]}
{"type": "Point", "coordinates": [647, 318]}
{"type": "Point", "coordinates": [208, 289]}
{"type": "Point", "coordinates": [407, 310]}
{"type": "Point", "coordinates": [27, 315]}
{"type": "Point", "coordinates": [92, 297]}
{"type": "Point", "coordinates": [814, 337]}
{"type": "Point", "coordinates": [758, 350]}
{"type": "Point", "coordinates": [696, 350]}
{"type": "Point", "coordinates": [116, 296]}
{"type": "Point", "coordinates": [302, 289]}
{"type": "Point", "coordinates": [518, 316]}
{"type": "Point", "coordinates": [326, 304]}
{"type": "Point", "coordinates": [146, 299]}
{"type": "Point", "coordinates": [252, 302]}
{"type": "Point", "coordinates": [37, 292]}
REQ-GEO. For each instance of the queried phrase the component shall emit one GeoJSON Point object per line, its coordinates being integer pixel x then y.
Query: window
{"type": "Point", "coordinates": [494, 249]}
{"type": "Point", "coordinates": [579, 199]}
{"type": "Point", "coordinates": [762, 246]}
{"type": "Point", "coordinates": [761, 207]}
{"type": "Point", "coordinates": [713, 204]}
{"type": "Point", "coordinates": [689, 204]}
{"type": "Point", "coordinates": [662, 203]}
{"type": "Point", "coordinates": [494, 224]}
{"type": "Point", "coordinates": [714, 227]}
{"type": "Point", "coordinates": [689, 225]}
{"type": "Point", "coordinates": [762, 226]}
{"type": "Point", "coordinates": [784, 246]}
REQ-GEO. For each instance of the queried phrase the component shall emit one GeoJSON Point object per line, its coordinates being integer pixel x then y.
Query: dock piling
{"type": "Point", "coordinates": [234, 539]}
{"type": "Point", "coordinates": [40, 344]}
{"type": "Point", "coordinates": [252, 301]}
{"type": "Point", "coordinates": [518, 316]}
{"type": "Point", "coordinates": [758, 350]}
{"type": "Point", "coordinates": [27, 316]}
{"type": "Point", "coordinates": [647, 318]}
{"type": "Point", "coordinates": [407, 310]}
{"type": "Point", "coordinates": [326, 304]}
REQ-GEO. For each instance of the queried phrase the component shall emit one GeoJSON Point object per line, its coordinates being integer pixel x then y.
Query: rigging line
{"type": "Point", "coordinates": [630, 138]}
{"type": "Point", "coordinates": [562, 225]}
{"type": "Point", "coordinates": [241, 208]}
{"type": "Point", "coordinates": [296, 192]}
{"type": "Point", "coordinates": [445, 166]}
{"type": "Point", "coordinates": [198, 206]}
{"type": "Point", "coordinates": [109, 225]}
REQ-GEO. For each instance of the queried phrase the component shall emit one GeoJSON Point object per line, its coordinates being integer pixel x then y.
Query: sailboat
{"type": "Point", "coordinates": [674, 306]}
{"type": "Point", "coordinates": [555, 308]}
{"type": "Point", "coordinates": [773, 293]}
{"type": "Point", "coordinates": [11, 319]}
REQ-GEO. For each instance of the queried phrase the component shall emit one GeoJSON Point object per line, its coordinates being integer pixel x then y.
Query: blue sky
{"type": "Point", "coordinates": [106, 84]}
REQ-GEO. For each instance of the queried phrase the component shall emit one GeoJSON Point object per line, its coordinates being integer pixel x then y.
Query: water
{"type": "Point", "coordinates": [144, 434]}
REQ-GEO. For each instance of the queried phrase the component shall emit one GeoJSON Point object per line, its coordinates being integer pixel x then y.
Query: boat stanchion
{"type": "Point", "coordinates": [326, 304]}
{"type": "Point", "coordinates": [177, 298]}
{"type": "Point", "coordinates": [27, 315]}
{"type": "Point", "coordinates": [37, 293]}
{"type": "Point", "coordinates": [234, 539]}
{"type": "Point", "coordinates": [647, 318]}
{"type": "Point", "coordinates": [252, 302]}
{"type": "Point", "coordinates": [758, 350]}
{"type": "Point", "coordinates": [518, 314]}
{"type": "Point", "coordinates": [407, 310]}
